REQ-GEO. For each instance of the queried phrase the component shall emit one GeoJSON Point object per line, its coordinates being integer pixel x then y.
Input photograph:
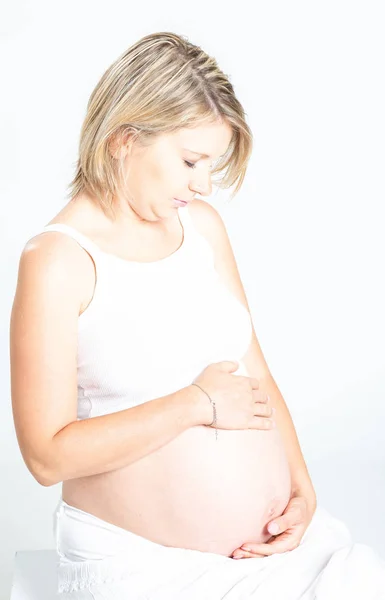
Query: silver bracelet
{"type": "Point", "coordinates": [214, 422]}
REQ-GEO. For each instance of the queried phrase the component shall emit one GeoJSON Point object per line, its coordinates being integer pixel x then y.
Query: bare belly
{"type": "Point", "coordinates": [195, 492]}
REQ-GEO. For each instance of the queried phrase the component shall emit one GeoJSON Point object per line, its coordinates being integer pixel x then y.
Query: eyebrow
{"type": "Point", "coordinates": [200, 153]}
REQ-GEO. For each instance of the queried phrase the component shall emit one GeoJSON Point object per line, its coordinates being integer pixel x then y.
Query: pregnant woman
{"type": "Point", "coordinates": [137, 377]}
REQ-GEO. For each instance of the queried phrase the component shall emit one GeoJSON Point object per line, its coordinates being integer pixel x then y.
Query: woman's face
{"type": "Point", "coordinates": [172, 167]}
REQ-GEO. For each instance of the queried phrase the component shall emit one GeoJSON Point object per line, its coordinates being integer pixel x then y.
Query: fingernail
{"type": "Point", "coordinates": [246, 548]}
{"type": "Point", "coordinates": [273, 528]}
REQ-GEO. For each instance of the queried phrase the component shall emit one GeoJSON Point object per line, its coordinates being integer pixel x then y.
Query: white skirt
{"type": "Point", "coordinates": [100, 561]}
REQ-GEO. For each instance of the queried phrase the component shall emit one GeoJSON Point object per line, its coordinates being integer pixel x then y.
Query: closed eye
{"type": "Point", "coordinates": [190, 165]}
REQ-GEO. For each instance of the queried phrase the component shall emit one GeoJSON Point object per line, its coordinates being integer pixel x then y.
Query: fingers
{"type": "Point", "coordinates": [295, 514]}
{"type": "Point", "coordinates": [262, 423]}
{"type": "Point", "coordinates": [262, 550]}
{"type": "Point", "coordinates": [264, 410]}
{"type": "Point", "coordinates": [286, 542]}
{"type": "Point", "coordinates": [276, 547]}
{"type": "Point", "coordinates": [254, 383]}
{"type": "Point", "coordinates": [239, 554]}
{"type": "Point", "coordinates": [287, 537]}
{"type": "Point", "coordinates": [261, 396]}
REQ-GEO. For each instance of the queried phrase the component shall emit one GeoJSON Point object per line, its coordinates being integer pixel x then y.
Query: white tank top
{"type": "Point", "coordinates": [152, 327]}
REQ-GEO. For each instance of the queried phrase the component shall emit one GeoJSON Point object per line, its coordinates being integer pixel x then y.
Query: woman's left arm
{"type": "Point", "coordinates": [299, 511]}
{"type": "Point", "coordinates": [301, 483]}
{"type": "Point", "coordinates": [288, 529]}
{"type": "Point", "coordinates": [210, 224]}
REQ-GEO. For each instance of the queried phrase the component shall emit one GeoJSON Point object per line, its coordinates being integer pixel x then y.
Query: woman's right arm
{"type": "Point", "coordinates": [43, 350]}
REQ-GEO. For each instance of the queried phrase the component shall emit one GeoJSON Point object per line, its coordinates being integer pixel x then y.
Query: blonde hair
{"type": "Point", "coordinates": [160, 84]}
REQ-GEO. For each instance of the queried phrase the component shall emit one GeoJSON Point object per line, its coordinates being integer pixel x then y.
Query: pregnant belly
{"type": "Point", "coordinates": [196, 492]}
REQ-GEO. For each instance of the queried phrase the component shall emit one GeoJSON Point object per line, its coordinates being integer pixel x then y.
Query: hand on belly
{"type": "Point", "coordinates": [197, 492]}
{"type": "Point", "coordinates": [222, 494]}
{"type": "Point", "coordinates": [225, 532]}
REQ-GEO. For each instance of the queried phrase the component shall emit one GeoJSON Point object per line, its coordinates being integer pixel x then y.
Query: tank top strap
{"type": "Point", "coordinates": [194, 237]}
{"type": "Point", "coordinates": [80, 238]}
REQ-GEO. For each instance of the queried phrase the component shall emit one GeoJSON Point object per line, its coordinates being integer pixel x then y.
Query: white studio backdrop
{"type": "Point", "coordinates": [307, 227]}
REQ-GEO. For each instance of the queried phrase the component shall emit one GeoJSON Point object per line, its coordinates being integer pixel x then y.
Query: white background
{"type": "Point", "coordinates": [307, 228]}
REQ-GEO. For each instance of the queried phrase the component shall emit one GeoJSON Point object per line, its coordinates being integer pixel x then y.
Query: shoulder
{"type": "Point", "coordinates": [209, 223]}
{"type": "Point", "coordinates": [53, 260]}
{"type": "Point", "coordinates": [54, 251]}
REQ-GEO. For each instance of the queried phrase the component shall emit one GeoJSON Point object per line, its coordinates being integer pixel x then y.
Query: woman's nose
{"type": "Point", "coordinates": [202, 189]}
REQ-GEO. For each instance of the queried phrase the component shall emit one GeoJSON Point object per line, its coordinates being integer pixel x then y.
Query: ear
{"type": "Point", "coordinates": [121, 141]}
